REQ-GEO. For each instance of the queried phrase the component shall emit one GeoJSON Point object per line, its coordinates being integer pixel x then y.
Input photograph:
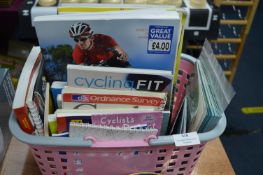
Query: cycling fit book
{"type": "Point", "coordinates": [128, 79]}
{"type": "Point", "coordinates": [136, 39]}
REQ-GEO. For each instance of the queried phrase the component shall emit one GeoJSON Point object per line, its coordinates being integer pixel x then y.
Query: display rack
{"type": "Point", "coordinates": [235, 24]}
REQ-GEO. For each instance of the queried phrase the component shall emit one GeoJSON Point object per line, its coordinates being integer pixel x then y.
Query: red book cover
{"type": "Point", "coordinates": [113, 99]}
{"type": "Point", "coordinates": [73, 98]}
{"type": "Point", "coordinates": [23, 119]}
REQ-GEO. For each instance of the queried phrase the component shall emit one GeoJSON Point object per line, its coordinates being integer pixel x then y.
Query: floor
{"type": "Point", "coordinates": [243, 138]}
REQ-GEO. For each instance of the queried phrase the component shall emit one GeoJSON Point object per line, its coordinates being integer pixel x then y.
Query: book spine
{"type": "Point", "coordinates": [23, 119]}
{"type": "Point", "coordinates": [22, 112]}
{"type": "Point", "coordinates": [62, 125]}
{"type": "Point", "coordinates": [36, 117]}
{"type": "Point", "coordinates": [55, 92]}
{"type": "Point", "coordinates": [114, 99]}
{"type": "Point", "coordinates": [52, 123]}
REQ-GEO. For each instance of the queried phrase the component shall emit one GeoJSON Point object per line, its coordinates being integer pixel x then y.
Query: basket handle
{"type": "Point", "coordinates": [68, 141]}
{"type": "Point", "coordinates": [118, 143]}
{"type": "Point", "coordinates": [188, 57]}
{"type": "Point", "coordinates": [204, 137]}
{"type": "Point", "coordinates": [42, 140]}
{"type": "Point", "coordinates": [78, 142]}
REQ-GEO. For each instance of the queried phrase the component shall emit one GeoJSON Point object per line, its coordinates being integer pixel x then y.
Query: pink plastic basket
{"type": "Point", "coordinates": [185, 70]}
{"type": "Point", "coordinates": [74, 156]}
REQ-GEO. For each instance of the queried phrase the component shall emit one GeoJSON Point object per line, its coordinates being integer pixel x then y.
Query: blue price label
{"type": "Point", "coordinates": [160, 39]}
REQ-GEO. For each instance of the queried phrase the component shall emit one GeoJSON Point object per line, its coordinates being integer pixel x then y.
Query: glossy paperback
{"type": "Point", "coordinates": [144, 40]}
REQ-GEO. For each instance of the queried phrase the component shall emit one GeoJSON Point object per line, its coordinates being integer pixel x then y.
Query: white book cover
{"type": "Point", "coordinates": [147, 40]}
{"type": "Point", "coordinates": [119, 78]}
{"type": "Point", "coordinates": [108, 133]}
{"type": "Point", "coordinates": [130, 79]}
{"type": "Point", "coordinates": [24, 86]}
{"type": "Point", "coordinates": [33, 113]}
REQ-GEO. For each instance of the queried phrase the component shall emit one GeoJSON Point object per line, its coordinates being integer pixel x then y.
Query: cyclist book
{"type": "Point", "coordinates": [134, 118]}
{"type": "Point", "coordinates": [135, 39]}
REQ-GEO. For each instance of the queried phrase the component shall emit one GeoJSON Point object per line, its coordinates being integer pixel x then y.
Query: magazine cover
{"type": "Point", "coordinates": [115, 39]}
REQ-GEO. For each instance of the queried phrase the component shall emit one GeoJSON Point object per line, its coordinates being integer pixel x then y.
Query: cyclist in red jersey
{"type": "Point", "coordinates": [93, 49]}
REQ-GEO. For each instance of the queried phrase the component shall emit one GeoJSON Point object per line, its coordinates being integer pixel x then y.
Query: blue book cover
{"type": "Point", "coordinates": [56, 88]}
{"type": "Point", "coordinates": [144, 40]}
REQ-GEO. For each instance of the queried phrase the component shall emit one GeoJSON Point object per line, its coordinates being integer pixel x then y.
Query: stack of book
{"type": "Point", "coordinates": [113, 72]}
{"type": "Point", "coordinates": [207, 95]}
{"type": "Point", "coordinates": [121, 96]}
{"type": "Point", "coordinates": [7, 93]}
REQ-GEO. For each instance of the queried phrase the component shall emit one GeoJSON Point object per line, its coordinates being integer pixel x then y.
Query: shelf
{"type": "Point", "coordinates": [238, 3]}
{"type": "Point", "coordinates": [233, 22]}
{"type": "Point", "coordinates": [226, 57]}
{"type": "Point", "coordinates": [228, 47]}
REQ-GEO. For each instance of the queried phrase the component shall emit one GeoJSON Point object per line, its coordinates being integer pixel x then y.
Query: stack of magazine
{"type": "Point", "coordinates": [207, 95]}
{"type": "Point", "coordinates": [107, 75]}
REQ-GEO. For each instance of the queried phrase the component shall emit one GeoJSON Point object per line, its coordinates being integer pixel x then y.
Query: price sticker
{"type": "Point", "coordinates": [160, 39]}
{"type": "Point", "coordinates": [186, 139]}
{"type": "Point", "coordinates": [159, 45]}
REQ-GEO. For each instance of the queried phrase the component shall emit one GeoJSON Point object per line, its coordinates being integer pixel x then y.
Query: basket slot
{"type": "Point", "coordinates": [159, 159]}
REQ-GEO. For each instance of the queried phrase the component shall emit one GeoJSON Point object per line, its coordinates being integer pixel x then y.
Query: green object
{"type": "Point", "coordinates": [52, 124]}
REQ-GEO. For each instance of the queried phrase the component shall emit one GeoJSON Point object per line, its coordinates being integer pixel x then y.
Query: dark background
{"type": "Point", "coordinates": [243, 138]}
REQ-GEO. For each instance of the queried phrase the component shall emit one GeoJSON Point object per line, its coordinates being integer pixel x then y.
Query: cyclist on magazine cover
{"type": "Point", "coordinates": [96, 49]}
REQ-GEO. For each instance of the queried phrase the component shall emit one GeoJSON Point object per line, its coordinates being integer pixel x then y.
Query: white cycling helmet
{"type": "Point", "coordinates": [80, 29]}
